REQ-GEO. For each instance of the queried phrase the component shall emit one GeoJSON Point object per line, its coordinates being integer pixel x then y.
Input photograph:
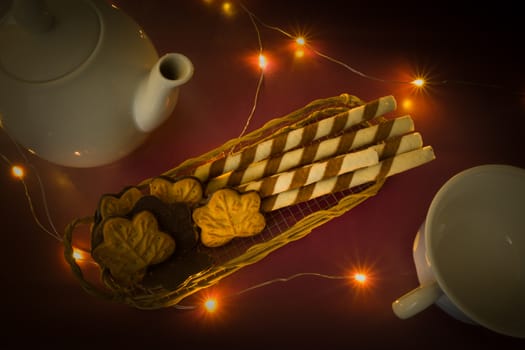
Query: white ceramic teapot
{"type": "Point", "coordinates": [81, 84]}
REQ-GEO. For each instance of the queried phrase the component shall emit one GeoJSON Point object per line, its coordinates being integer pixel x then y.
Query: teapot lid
{"type": "Point", "coordinates": [34, 54]}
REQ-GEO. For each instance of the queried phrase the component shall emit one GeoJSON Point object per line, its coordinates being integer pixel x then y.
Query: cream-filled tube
{"type": "Point", "coordinates": [383, 169]}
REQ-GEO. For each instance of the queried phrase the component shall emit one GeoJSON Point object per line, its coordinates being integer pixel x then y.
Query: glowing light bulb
{"type": "Point", "coordinates": [360, 277]}
{"type": "Point", "coordinates": [78, 254]}
{"type": "Point", "coordinates": [299, 46]}
{"type": "Point", "coordinates": [17, 171]}
{"type": "Point", "coordinates": [301, 41]}
{"type": "Point", "coordinates": [419, 82]}
{"type": "Point", "coordinates": [227, 8]}
{"type": "Point", "coordinates": [81, 255]}
{"type": "Point", "coordinates": [210, 305]}
{"type": "Point", "coordinates": [263, 62]}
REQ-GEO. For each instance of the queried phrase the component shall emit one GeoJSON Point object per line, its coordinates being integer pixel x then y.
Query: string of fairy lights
{"type": "Point", "coordinates": [301, 44]}
{"type": "Point", "coordinates": [20, 170]}
{"type": "Point", "coordinates": [211, 303]}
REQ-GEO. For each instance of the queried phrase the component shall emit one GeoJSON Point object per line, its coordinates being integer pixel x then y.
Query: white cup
{"type": "Point", "coordinates": [470, 251]}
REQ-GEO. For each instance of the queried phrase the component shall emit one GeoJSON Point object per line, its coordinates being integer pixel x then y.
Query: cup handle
{"type": "Point", "coordinates": [416, 300]}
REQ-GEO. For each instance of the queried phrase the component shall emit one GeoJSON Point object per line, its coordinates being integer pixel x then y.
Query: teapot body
{"type": "Point", "coordinates": [81, 113]}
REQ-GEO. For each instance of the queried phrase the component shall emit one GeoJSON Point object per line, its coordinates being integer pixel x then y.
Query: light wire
{"type": "Point", "coordinates": [259, 83]}
{"type": "Point", "coordinates": [269, 282]}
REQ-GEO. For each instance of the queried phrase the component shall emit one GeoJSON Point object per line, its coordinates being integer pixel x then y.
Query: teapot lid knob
{"type": "Point", "coordinates": [44, 48]}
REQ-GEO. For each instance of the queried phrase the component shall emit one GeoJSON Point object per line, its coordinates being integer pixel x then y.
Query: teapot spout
{"type": "Point", "coordinates": [157, 94]}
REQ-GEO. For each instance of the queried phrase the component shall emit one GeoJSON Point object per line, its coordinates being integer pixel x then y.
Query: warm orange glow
{"type": "Point", "coordinates": [260, 62]}
{"type": "Point", "coordinates": [79, 254]}
{"type": "Point", "coordinates": [360, 277]}
{"type": "Point", "coordinates": [263, 62]}
{"type": "Point", "coordinates": [77, 153]}
{"type": "Point", "coordinates": [227, 8]}
{"type": "Point", "coordinates": [419, 82]}
{"type": "Point", "coordinates": [17, 171]}
{"type": "Point", "coordinates": [82, 255]}
{"type": "Point", "coordinates": [407, 103]}
{"type": "Point", "coordinates": [299, 46]}
{"type": "Point", "coordinates": [210, 305]}
{"type": "Point", "coordinates": [301, 41]}
{"type": "Point", "coordinates": [299, 53]}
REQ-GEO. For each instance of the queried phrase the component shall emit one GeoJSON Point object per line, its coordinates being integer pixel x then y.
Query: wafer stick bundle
{"type": "Point", "coordinates": [298, 137]}
{"type": "Point", "coordinates": [338, 150]}
{"type": "Point", "coordinates": [312, 152]}
{"type": "Point", "coordinates": [333, 166]}
{"type": "Point", "coordinates": [383, 169]}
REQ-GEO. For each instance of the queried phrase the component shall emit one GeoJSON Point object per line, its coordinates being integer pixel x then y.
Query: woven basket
{"type": "Point", "coordinates": [283, 226]}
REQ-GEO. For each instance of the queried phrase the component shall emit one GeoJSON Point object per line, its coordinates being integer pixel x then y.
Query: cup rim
{"type": "Point", "coordinates": [430, 256]}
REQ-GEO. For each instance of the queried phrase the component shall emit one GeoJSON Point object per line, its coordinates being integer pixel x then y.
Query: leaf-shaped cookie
{"type": "Point", "coordinates": [129, 246]}
{"type": "Point", "coordinates": [111, 205]}
{"type": "Point", "coordinates": [229, 214]}
{"type": "Point", "coordinates": [186, 190]}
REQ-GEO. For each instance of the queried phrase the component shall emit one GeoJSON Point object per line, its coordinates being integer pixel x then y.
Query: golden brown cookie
{"type": "Point", "coordinates": [130, 246]}
{"type": "Point", "coordinates": [185, 190]}
{"type": "Point", "coordinates": [229, 214]}
{"type": "Point", "coordinates": [111, 205]}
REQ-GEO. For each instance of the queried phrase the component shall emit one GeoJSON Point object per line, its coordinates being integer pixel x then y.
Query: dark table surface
{"type": "Point", "coordinates": [472, 114]}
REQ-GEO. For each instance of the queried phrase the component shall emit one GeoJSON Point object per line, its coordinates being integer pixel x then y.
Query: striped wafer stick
{"type": "Point", "coordinates": [398, 145]}
{"type": "Point", "coordinates": [314, 152]}
{"type": "Point", "coordinates": [331, 167]}
{"type": "Point", "coordinates": [383, 169]}
{"type": "Point", "coordinates": [312, 173]}
{"type": "Point", "coordinates": [295, 138]}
